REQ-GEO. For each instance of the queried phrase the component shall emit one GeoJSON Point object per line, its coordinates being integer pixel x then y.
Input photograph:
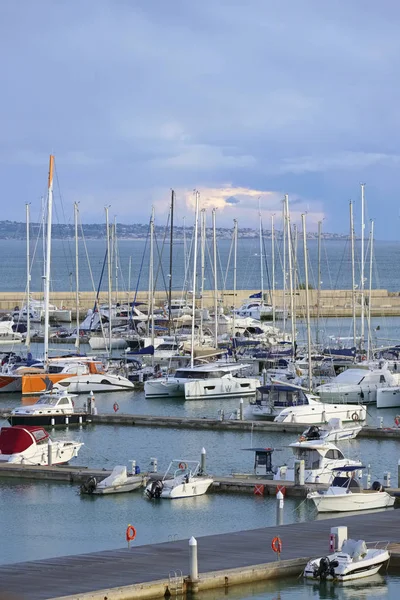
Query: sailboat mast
{"type": "Point", "coordinates": [371, 255]}
{"type": "Point", "coordinates": [235, 236]}
{"type": "Point", "coordinates": [284, 262]}
{"type": "Point", "coordinates": [151, 280]}
{"type": "Point", "coordinates": [214, 213]}
{"type": "Point", "coordinates": [289, 249]}
{"type": "Point", "coordinates": [196, 228]}
{"type": "Point", "coordinates": [353, 276]}
{"type": "Point", "coordinates": [203, 268]}
{"type": "Point", "coordinates": [362, 267]}
{"type": "Point", "coordinates": [319, 280]}
{"type": "Point", "coordinates": [115, 245]}
{"type": "Point", "coordinates": [273, 268]}
{"type": "Point", "coordinates": [171, 242]}
{"type": "Point", "coordinates": [109, 282]}
{"type": "Point", "coordinates": [48, 260]}
{"type": "Point", "coordinates": [76, 211]}
{"type": "Point", "coordinates": [303, 220]}
{"type": "Point", "coordinates": [28, 281]}
{"type": "Point", "coordinates": [261, 252]}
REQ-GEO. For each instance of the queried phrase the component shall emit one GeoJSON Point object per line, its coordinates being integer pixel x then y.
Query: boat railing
{"type": "Point", "coordinates": [381, 544]}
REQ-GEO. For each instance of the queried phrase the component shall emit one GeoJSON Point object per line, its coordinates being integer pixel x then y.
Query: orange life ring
{"type": "Point", "coordinates": [116, 407]}
{"type": "Point", "coordinates": [397, 420]}
{"type": "Point", "coordinates": [276, 545]}
{"type": "Point", "coordinates": [130, 533]}
{"type": "Point", "coordinates": [182, 466]}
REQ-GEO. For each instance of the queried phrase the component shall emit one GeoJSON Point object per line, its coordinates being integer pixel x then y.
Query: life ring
{"type": "Point", "coordinates": [276, 545]}
{"type": "Point", "coordinates": [116, 407]}
{"type": "Point", "coordinates": [130, 533]}
{"type": "Point", "coordinates": [397, 420]}
{"type": "Point", "coordinates": [182, 466]}
{"type": "Point", "coordinates": [355, 416]}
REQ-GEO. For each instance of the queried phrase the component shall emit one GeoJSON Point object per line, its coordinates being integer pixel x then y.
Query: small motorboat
{"type": "Point", "coordinates": [31, 446]}
{"type": "Point", "coordinates": [118, 482]}
{"type": "Point", "coordinates": [345, 493]}
{"type": "Point", "coordinates": [52, 408]}
{"type": "Point", "coordinates": [183, 479]}
{"type": "Point", "coordinates": [333, 431]}
{"type": "Point", "coordinates": [353, 561]}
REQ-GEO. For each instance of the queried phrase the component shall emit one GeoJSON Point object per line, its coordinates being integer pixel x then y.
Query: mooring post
{"type": "Point", "coordinates": [280, 501]}
{"type": "Point", "coordinates": [241, 409]}
{"type": "Point", "coordinates": [193, 565]}
{"type": "Point", "coordinates": [264, 376]}
{"type": "Point", "coordinates": [203, 460]}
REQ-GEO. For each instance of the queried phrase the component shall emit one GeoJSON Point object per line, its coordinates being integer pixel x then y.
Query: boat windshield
{"type": "Point", "coordinates": [346, 482]}
{"type": "Point", "coordinates": [182, 374]}
{"type": "Point", "coordinates": [281, 397]}
{"type": "Point", "coordinates": [48, 400]}
{"type": "Point", "coordinates": [311, 457]}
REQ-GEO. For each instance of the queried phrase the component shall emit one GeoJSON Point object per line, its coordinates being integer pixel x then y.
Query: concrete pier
{"type": "Point", "coordinates": [225, 560]}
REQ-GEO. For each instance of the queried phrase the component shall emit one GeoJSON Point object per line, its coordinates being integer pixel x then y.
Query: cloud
{"type": "Point", "coordinates": [232, 200]}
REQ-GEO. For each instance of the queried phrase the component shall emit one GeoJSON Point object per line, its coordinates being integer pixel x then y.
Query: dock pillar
{"type": "Point", "coordinates": [193, 566]}
{"type": "Point", "coordinates": [241, 409]}
{"type": "Point", "coordinates": [386, 479]}
{"type": "Point", "coordinates": [299, 472]}
{"type": "Point", "coordinates": [154, 465]}
{"type": "Point", "coordinates": [280, 500]}
{"type": "Point", "coordinates": [380, 422]}
{"type": "Point", "coordinates": [49, 452]}
{"type": "Point", "coordinates": [264, 376]}
{"type": "Point", "coordinates": [203, 461]}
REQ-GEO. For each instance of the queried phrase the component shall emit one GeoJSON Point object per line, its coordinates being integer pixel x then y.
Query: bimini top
{"type": "Point", "coordinates": [349, 468]}
{"type": "Point", "coordinates": [18, 438]}
{"type": "Point", "coordinates": [259, 449]}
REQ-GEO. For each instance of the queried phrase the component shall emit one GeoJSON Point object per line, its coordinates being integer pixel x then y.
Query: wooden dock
{"type": "Point", "coordinates": [224, 560]}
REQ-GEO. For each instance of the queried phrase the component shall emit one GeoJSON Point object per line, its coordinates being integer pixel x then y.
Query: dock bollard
{"type": "Point", "coordinates": [52, 421]}
{"type": "Point", "coordinates": [154, 465]}
{"type": "Point", "coordinates": [280, 501]}
{"type": "Point", "coordinates": [380, 422]}
{"type": "Point", "coordinates": [368, 477]}
{"type": "Point", "coordinates": [203, 460]}
{"type": "Point", "coordinates": [241, 409]}
{"type": "Point", "coordinates": [193, 565]}
{"type": "Point", "coordinates": [49, 452]}
{"type": "Point", "coordinates": [386, 479]}
{"type": "Point", "coordinates": [264, 376]}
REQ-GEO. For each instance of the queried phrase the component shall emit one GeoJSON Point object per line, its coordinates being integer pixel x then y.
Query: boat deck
{"type": "Point", "coordinates": [234, 556]}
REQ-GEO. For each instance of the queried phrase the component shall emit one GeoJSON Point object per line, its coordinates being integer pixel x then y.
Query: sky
{"type": "Point", "coordinates": [243, 101]}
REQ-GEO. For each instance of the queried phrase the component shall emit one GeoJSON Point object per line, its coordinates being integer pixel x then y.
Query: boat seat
{"type": "Point", "coordinates": [356, 549]}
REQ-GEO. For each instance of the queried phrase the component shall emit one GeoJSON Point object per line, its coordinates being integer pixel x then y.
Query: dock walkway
{"type": "Point", "coordinates": [142, 571]}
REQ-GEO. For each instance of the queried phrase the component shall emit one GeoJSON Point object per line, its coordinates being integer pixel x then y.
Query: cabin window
{"type": "Point", "coordinates": [334, 454]}
{"type": "Point", "coordinates": [63, 401]}
{"type": "Point", "coordinates": [382, 379]}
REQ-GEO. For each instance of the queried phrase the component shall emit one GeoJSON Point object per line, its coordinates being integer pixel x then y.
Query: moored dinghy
{"type": "Point", "coordinates": [118, 482]}
{"type": "Point", "coordinates": [183, 479]}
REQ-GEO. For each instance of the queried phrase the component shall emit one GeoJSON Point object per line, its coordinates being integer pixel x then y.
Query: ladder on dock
{"type": "Point", "coordinates": [175, 579]}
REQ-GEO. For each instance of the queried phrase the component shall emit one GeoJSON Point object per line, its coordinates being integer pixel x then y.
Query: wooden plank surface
{"type": "Point", "coordinates": [45, 579]}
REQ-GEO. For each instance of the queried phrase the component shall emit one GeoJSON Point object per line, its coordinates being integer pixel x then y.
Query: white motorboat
{"type": "Point", "coordinates": [118, 482]}
{"type": "Point", "coordinates": [257, 309]}
{"type": "Point", "coordinates": [214, 380]}
{"type": "Point", "coordinates": [333, 431]}
{"type": "Point", "coordinates": [388, 397]}
{"type": "Point", "coordinates": [353, 561]}
{"type": "Point", "coordinates": [95, 382]}
{"type": "Point", "coordinates": [7, 335]}
{"type": "Point", "coordinates": [100, 342]}
{"type": "Point", "coordinates": [183, 479]}
{"type": "Point", "coordinates": [31, 446]}
{"type": "Point", "coordinates": [319, 460]}
{"type": "Point", "coordinates": [288, 403]}
{"type": "Point", "coordinates": [357, 385]}
{"type": "Point", "coordinates": [345, 493]}
{"type": "Point", "coordinates": [35, 309]}
{"type": "Point", "coordinates": [52, 408]}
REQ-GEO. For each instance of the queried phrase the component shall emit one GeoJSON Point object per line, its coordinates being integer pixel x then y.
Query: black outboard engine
{"type": "Point", "coordinates": [89, 486]}
{"type": "Point", "coordinates": [377, 487]}
{"type": "Point", "coordinates": [155, 489]}
{"type": "Point", "coordinates": [312, 433]}
{"type": "Point", "coordinates": [326, 568]}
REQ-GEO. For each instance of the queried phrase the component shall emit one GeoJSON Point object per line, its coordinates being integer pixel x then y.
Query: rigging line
{"type": "Point", "coordinates": [159, 266]}
{"type": "Point", "coordinates": [266, 264]}
{"type": "Point", "coordinates": [64, 243]}
{"type": "Point", "coordinates": [140, 273]}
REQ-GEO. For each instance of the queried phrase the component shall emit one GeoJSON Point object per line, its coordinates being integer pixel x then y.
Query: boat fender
{"type": "Point", "coordinates": [276, 545]}
{"type": "Point", "coordinates": [116, 407]}
{"type": "Point", "coordinates": [397, 420]}
{"type": "Point", "coordinates": [130, 533]}
{"type": "Point", "coordinates": [377, 487]}
{"type": "Point", "coordinates": [355, 416]}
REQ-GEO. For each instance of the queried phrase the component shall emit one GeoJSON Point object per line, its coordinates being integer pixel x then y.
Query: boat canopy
{"type": "Point", "coordinates": [349, 468]}
{"type": "Point", "coordinates": [18, 438]}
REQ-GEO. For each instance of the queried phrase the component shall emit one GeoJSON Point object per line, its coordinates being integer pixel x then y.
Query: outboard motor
{"type": "Point", "coordinates": [326, 568]}
{"type": "Point", "coordinates": [155, 489]}
{"type": "Point", "coordinates": [89, 486]}
{"type": "Point", "coordinates": [312, 433]}
{"type": "Point", "coordinates": [377, 487]}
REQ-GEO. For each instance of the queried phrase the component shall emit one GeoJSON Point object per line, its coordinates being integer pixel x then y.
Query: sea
{"type": "Point", "coordinates": [55, 520]}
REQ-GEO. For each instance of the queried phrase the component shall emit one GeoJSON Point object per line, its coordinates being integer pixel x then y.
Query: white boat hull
{"type": "Point", "coordinates": [388, 397]}
{"type": "Point", "coordinates": [349, 570]}
{"type": "Point", "coordinates": [350, 501]}
{"type": "Point", "coordinates": [154, 388]}
{"type": "Point", "coordinates": [134, 484]}
{"type": "Point", "coordinates": [84, 384]}
{"type": "Point", "coordinates": [222, 387]}
{"type": "Point", "coordinates": [61, 452]}
{"type": "Point", "coordinates": [99, 343]}
{"type": "Point", "coordinates": [316, 413]}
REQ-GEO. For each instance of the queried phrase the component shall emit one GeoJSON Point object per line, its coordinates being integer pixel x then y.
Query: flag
{"type": "Point", "coordinates": [259, 295]}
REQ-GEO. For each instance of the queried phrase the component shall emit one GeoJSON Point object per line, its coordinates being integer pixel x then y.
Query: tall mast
{"type": "Point", "coordinates": [171, 243]}
{"type": "Point", "coordinates": [150, 319]}
{"type": "Point", "coordinates": [371, 255]}
{"type": "Point", "coordinates": [319, 280]}
{"type": "Point", "coordinates": [235, 236]}
{"type": "Point", "coordinates": [196, 228]}
{"type": "Point", "coordinates": [215, 277]}
{"type": "Point", "coordinates": [261, 252]}
{"type": "Point", "coordinates": [48, 260]}
{"type": "Point", "coordinates": [28, 281]}
{"type": "Point", "coordinates": [115, 258]}
{"type": "Point", "coordinates": [303, 220]}
{"type": "Point", "coordinates": [76, 211]}
{"type": "Point", "coordinates": [273, 268]}
{"type": "Point", "coordinates": [186, 276]}
{"type": "Point", "coordinates": [353, 276]}
{"type": "Point", "coordinates": [109, 281]}
{"type": "Point", "coordinates": [129, 284]}
{"type": "Point", "coordinates": [203, 266]}
{"type": "Point", "coordinates": [289, 249]}
{"type": "Point", "coordinates": [362, 267]}
{"type": "Point", "coordinates": [284, 262]}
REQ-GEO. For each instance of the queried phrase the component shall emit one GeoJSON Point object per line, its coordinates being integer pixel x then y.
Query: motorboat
{"type": "Point", "coordinates": [118, 482]}
{"type": "Point", "coordinates": [52, 408]}
{"type": "Point", "coordinates": [183, 479]}
{"type": "Point", "coordinates": [213, 380]}
{"type": "Point", "coordinates": [7, 334]}
{"type": "Point", "coordinates": [35, 310]}
{"type": "Point", "coordinates": [103, 381]}
{"type": "Point", "coordinates": [388, 397]}
{"type": "Point", "coordinates": [319, 460]}
{"type": "Point", "coordinates": [359, 384]}
{"type": "Point", "coordinates": [289, 403]}
{"type": "Point", "coordinates": [333, 431]}
{"type": "Point", "coordinates": [346, 494]}
{"type": "Point", "coordinates": [32, 445]}
{"type": "Point", "coordinates": [256, 308]}
{"type": "Point", "coordinates": [353, 561]}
